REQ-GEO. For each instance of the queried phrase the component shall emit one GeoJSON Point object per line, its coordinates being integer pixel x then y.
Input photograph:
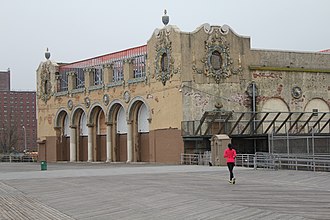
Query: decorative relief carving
{"type": "Point", "coordinates": [164, 61]}
{"type": "Point", "coordinates": [70, 104]}
{"type": "Point", "coordinates": [45, 86]}
{"type": "Point", "coordinates": [296, 92]}
{"type": "Point", "coordinates": [87, 102]}
{"type": "Point", "coordinates": [217, 60]}
{"type": "Point", "coordinates": [127, 96]}
{"type": "Point", "coordinates": [106, 99]}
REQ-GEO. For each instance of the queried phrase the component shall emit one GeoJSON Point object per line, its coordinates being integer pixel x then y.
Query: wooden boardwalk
{"type": "Point", "coordinates": [136, 191]}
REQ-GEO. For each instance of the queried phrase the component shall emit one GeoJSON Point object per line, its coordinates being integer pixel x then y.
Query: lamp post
{"type": "Point", "coordinates": [24, 138]}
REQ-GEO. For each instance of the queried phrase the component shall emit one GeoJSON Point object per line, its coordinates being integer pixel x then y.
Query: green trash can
{"type": "Point", "coordinates": [43, 165]}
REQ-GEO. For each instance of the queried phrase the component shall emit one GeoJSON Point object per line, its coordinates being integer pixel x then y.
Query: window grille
{"type": "Point", "coordinates": [118, 71]}
{"type": "Point", "coordinates": [80, 78]}
{"type": "Point", "coordinates": [63, 84]}
{"type": "Point", "coordinates": [97, 76]}
{"type": "Point", "coordinates": [139, 66]}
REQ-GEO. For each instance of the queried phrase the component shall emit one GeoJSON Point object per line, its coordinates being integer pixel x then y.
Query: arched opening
{"type": "Point", "coordinates": [99, 131]}
{"type": "Point", "coordinates": [78, 135]}
{"type": "Point", "coordinates": [121, 135]}
{"type": "Point", "coordinates": [118, 132]}
{"type": "Point", "coordinates": [83, 138]}
{"type": "Point", "coordinates": [63, 137]}
{"type": "Point", "coordinates": [140, 128]}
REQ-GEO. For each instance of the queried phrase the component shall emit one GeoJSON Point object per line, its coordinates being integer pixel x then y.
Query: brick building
{"type": "Point", "coordinates": [18, 124]}
{"type": "Point", "coordinates": [5, 80]}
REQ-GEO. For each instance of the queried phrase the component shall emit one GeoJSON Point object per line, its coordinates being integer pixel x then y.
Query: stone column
{"type": "Point", "coordinates": [71, 80]}
{"type": "Point", "coordinates": [129, 142]}
{"type": "Point", "coordinates": [57, 83]}
{"type": "Point", "coordinates": [73, 145]}
{"type": "Point", "coordinates": [87, 72]}
{"type": "Point", "coordinates": [90, 143]}
{"type": "Point", "coordinates": [109, 144]}
{"type": "Point", "coordinates": [108, 73]}
{"type": "Point", "coordinates": [128, 69]}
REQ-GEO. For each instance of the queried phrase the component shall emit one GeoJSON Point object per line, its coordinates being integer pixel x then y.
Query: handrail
{"type": "Point", "coordinates": [18, 158]}
{"type": "Point", "coordinates": [196, 159]}
{"type": "Point", "coordinates": [316, 162]}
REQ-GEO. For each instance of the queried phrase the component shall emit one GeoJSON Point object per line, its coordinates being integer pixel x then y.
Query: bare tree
{"type": "Point", "coordinates": [8, 139]}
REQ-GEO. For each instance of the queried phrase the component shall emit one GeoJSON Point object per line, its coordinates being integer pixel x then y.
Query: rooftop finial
{"type": "Point", "coordinates": [47, 54]}
{"type": "Point", "coordinates": [165, 18]}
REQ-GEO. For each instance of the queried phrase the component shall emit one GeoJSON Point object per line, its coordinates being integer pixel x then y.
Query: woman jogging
{"type": "Point", "coordinates": [230, 155]}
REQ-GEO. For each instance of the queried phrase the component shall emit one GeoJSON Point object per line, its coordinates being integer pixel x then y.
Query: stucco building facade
{"type": "Point", "coordinates": [153, 102]}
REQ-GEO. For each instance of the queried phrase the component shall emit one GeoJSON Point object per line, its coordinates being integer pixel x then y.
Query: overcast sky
{"type": "Point", "coordinates": [79, 29]}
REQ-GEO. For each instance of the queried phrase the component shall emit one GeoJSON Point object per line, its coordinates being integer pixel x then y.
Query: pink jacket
{"type": "Point", "coordinates": [230, 155]}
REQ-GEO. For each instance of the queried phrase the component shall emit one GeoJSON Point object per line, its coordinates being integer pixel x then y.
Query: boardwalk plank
{"type": "Point", "coordinates": [106, 191]}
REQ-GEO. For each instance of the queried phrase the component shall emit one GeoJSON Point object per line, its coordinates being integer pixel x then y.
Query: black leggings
{"type": "Point", "coordinates": [230, 168]}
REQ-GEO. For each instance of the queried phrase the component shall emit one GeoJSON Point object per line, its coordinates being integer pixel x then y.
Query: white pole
{"type": "Point", "coordinates": [129, 142]}
{"type": "Point", "coordinates": [73, 144]}
{"type": "Point", "coordinates": [109, 148]}
{"type": "Point", "coordinates": [24, 138]}
{"type": "Point", "coordinates": [90, 144]}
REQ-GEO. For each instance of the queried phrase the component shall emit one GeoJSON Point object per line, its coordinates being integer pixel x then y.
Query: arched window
{"type": "Point", "coordinates": [46, 87]}
{"type": "Point", "coordinates": [164, 62]}
{"type": "Point", "coordinates": [216, 61]}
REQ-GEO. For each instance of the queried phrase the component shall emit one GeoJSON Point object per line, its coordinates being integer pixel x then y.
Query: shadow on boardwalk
{"type": "Point", "coordinates": [144, 191]}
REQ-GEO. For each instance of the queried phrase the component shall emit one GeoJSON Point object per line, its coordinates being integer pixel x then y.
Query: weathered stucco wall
{"type": "Point", "coordinates": [275, 73]}
{"type": "Point", "coordinates": [188, 73]}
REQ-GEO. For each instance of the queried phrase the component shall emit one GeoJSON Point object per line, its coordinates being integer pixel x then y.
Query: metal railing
{"type": "Point", "coordinates": [320, 162]}
{"type": "Point", "coordinates": [244, 160]}
{"type": "Point", "coordinates": [18, 158]}
{"type": "Point", "coordinates": [196, 159]}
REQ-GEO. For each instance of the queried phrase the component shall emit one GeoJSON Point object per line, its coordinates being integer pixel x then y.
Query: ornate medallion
{"type": "Point", "coordinates": [126, 96]}
{"type": "Point", "coordinates": [296, 92]}
{"type": "Point", "coordinates": [106, 99]}
{"type": "Point", "coordinates": [87, 102]}
{"type": "Point", "coordinates": [70, 104]}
